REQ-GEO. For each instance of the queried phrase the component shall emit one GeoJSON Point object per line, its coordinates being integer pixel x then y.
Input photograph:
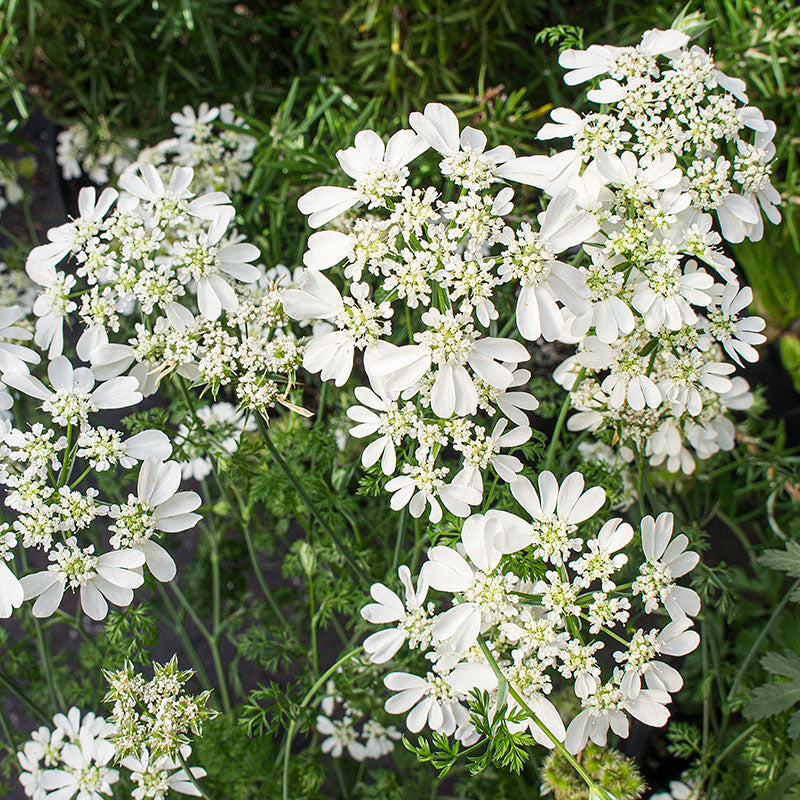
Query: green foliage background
{"type": "Point", "coordinates": [307, 75]}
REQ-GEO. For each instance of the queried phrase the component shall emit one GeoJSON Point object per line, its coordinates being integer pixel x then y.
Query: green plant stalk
{"type": "Point", "coordinates": [192, 779]}
{"type": "Point", "coordinates": [243, 512]}
{"type": "Point", "coordinates": [562, 417]}
{"type": "Point", "coordinates": [44, 657]}
{"type": "Point", "coordinates": [213, 643]}
{"type": "Point", "coordinates": [760, 638]}
{"type": "Point", "coordinates": [23, 698]}
{"type": "Point", "coordinates": [176, 624]}
{"type": "Point", "coordinates": [312, 614]}
{"type": "Point", "coordinates": [303, 703]}
{"type": "Point", "coordinates": [557, 743]}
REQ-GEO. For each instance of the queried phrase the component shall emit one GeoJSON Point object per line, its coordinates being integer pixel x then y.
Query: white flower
{"type": "Point", "coordinates": [599, 563]}
{"type": "Point", "coordinates": [11, 592]}
{"type": "Point", "coordinates": [666, 295]}
{"type": "Point", "coordinates": [485, 452]}
{"type": "Point", "coordinates": [466, 160]}
{"type": "Point", "coordinates": [486, 594]}
{"type": "Point", "coordinates": [555, 513]}
{"type": "Point", "coordinates": [359, 323]}
{"type": "Point", "coordinates": [628, 380]}
{"type": "Point", "coordinates": [530, 258]}
{"type": "Point", "coordinates": [665, 561]}
{"type": "Point", "coordinates": [606, 707]}
{"type": "Point", "coordinates": [211, 266]}
{"type": "Point", "coordinates": [736, 335]}
{"type": "Point", "coordinates": [379, 172]}
{"type": "Point", "coordinates": [86, 773]}
{"type": "Point", "coordinates": [190, 123]}
{"type": "Point", "coordinates": [423, 484]}
{"type": "Point", "coordinates": [378, 415]}
{"type": "Point", "coordinates": [71, 236]}
{"type": "Point", "coordinates": [412, 617]}
{"type": "Point", "coordinates": [688, 372]}
{"type": "Point", "coordinates": [610, 315]}
{"type": "Point", "coordinates": [172, 199]}
{"type": "Point", "coordinates": [640, 657]}
{"type": "Point", "coordinates": [156, 777]}
{"type": "Point", "coordinates": [449, 343]}
{"type": "Point", "coordinates": [14, 357]}
{"type": "Point", "coordinates": [379, 739]}
{"type": "Point", "coordinates": [73, 396]}
{"type": "Point", "coordinates": [340, 735]}
{"type": "Point", "coordinates": [432, 700]}
{"type": "Point", "coordinates": [157, 506]}
{"type": "Point", "coordinates": [112, 576]}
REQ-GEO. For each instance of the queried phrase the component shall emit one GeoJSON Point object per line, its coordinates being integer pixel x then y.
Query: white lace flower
{"type": "Point", "coordinates": [110, 577]}
{"type": "Point", "coordinates": [466, 160]}
{"type": "Point", "coordinates": [157, 506]}
{"type": "Point", "coordinates": [555, 513]}
{"type": "Point", "coordinates": [412, 616]}
{"type": "Point", "coordinates": [665, 561]}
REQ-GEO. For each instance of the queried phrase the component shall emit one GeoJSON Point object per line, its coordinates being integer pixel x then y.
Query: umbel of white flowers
{"type": "Point", "coordinates": [534, 631]}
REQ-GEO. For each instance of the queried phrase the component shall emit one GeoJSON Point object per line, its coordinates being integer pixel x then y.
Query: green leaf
{"type": "Point", "coordinates": [787, 560]}
{"type": "Point", "coordinates": [773, 698]}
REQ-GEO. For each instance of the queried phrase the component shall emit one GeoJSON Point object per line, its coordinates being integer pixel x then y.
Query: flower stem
{"type": "Point", "coordinates": [562, 416]}
{"type": "Point", "coordinates": [188, 770]}
{"type": "Point", "coordinates": [44, 657]}
{"type": "Point", "coordinates": [303, 703]}
{"type": "Point", "coordinates": [557, 743]}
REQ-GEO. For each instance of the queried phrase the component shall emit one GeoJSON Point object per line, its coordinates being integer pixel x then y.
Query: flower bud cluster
{"type": "Point", "coordinates": [155, 716]}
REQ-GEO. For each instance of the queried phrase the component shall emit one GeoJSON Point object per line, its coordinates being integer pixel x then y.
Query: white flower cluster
{"type": "Point", "coordinates": [210, 140]}
{"type": "Point", "coordinates": [424, 265]}
{"type": "Point", "coordinates": [543, 633]}
{"type": "Point", "coordinates": [339, 722]}
{"type": "Point", "coordinates": [213, 141]}
{"type": "Point", "coordinates": [166, 255]}
{"type": "Point", "coordinates": [44, 471]}
{"type": "Point", "coordinates": [670, 151]}
{"type": "Point", "coordinates": [73, 758]}
{"type": "Point", "coordinates": [101, 158]}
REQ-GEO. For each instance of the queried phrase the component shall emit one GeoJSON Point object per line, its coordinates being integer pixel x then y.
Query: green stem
{"type": "Point", "coordinates": [562, 416]}
{"type": "Point", "coordinates": [44, 657]}
{"type": "Point", "coordinates": [557, 743]}
{"type": "Point", "coordinates": [399, 537]}
{"type": "Point", "coordinates": [293, 479]}
{"type": "Point", "coordinates": [176, 623]}
{"type": "Point", "coordinates": [608, 631]}
{"type": "Point", "coordinates": [760, 638]}
{"type": "Point", "coordinates": [313, 617]}
{"type": "Point", "coordinates": [23, 698]}
{"type": "Point", "coordinates": [213, 643]}
{"type": "Point", "coordinates": [304, 702]}
{"type": "Point", "coordinates": [188, 770]}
